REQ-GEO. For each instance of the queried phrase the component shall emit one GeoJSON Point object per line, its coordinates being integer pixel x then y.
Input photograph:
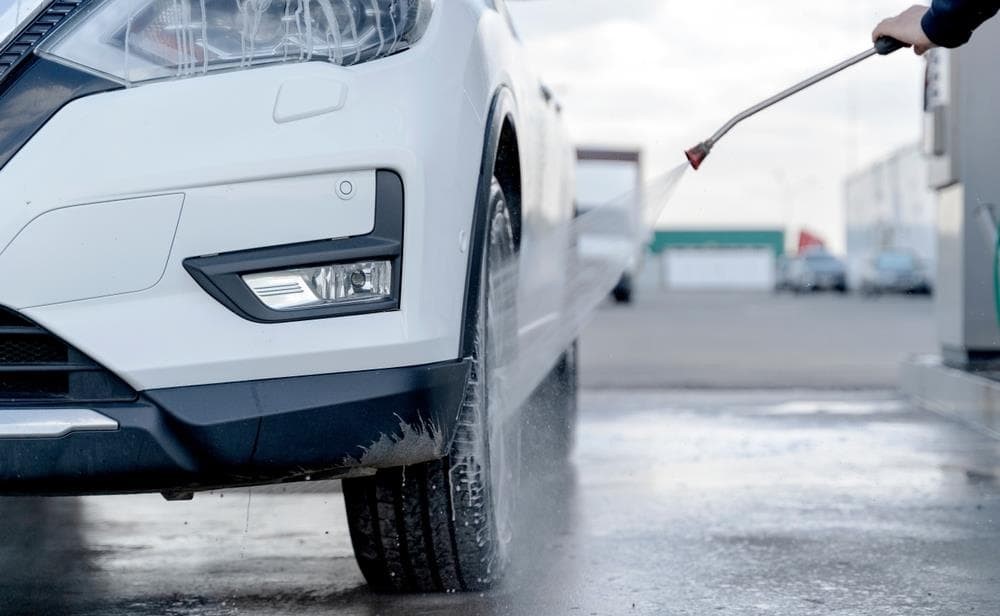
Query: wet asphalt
{"type": "Point", "coordinates": [840, 501]}
{"type": "Point", "coordinates": [677, 503]}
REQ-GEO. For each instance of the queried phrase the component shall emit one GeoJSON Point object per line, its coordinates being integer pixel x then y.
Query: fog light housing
{"type": "Point", "coordinates": [340, 284]}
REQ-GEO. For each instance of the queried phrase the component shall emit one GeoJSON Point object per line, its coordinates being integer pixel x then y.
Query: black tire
{"type": "Point", "coordinates": [622, 293]}
{"type": "Point", "coordinates": [444, 526]}
{"type": "Point", "coordinates": [568, 381]}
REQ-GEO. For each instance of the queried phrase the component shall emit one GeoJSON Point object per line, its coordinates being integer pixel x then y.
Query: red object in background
{"type": "Point", "coordinates": [808, 240]}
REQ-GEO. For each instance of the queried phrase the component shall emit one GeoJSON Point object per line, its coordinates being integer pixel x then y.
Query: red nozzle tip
{"type": "Point", "coordinates": [696, 155]}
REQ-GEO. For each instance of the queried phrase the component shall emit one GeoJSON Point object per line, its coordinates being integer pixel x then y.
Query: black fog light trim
{"type": "Point", "coordinates": [221, 276]}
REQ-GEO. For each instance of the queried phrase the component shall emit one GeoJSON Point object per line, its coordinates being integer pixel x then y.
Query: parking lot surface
{"type": "Point", "coordinates": [682, 501]}
{"type": "Point", "coordinates": [756, 340]}
{"type": "Point", "coordinates": [678, 503]}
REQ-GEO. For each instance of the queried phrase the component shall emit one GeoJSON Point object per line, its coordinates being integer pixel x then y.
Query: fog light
{"type": "Point", "coordinates": [330, 285]}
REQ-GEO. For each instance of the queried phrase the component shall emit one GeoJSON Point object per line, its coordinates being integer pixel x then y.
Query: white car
{"type": "Point", "coordinates": [261, 241]}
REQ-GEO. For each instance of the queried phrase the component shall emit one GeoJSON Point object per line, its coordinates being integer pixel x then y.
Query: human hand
{"type": "Point", "coordinates": [906, 27]}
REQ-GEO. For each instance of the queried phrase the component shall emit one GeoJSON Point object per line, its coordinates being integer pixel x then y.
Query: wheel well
{"type": "Point", "coordinates": [507, 171]}
{"type": "Point", "coordinates": [501, 160]}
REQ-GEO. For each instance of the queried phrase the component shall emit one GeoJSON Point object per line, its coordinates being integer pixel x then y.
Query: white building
{"type": "Point", "coordinates": [890, 206]}
{"type": "Point", "coordinates": [715, 259]}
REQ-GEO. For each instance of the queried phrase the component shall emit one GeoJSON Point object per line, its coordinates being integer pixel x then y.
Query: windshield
{"type": "Point", "coordinates": [896, 262]}
{"type": "Point", "coordinates": [13, 12]}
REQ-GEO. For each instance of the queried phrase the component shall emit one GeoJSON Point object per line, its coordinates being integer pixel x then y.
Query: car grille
{"type": "Point", "coordinates": [21, 46]}
{"type": "Point", "coordinates": [36, 366]}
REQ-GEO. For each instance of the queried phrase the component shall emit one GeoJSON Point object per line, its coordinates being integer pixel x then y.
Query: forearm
{"type": "Point", "coordinates": [950, 23]}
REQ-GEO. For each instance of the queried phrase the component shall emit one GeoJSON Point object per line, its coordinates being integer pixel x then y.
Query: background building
{"type": "Point", "coordinates": [715, 259]}
{"type": "Point", "coordinates": [890, 206]}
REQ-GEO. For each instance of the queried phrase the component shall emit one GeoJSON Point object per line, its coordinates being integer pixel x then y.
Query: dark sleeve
{"type": "Point", "coordinates": [950, 23]}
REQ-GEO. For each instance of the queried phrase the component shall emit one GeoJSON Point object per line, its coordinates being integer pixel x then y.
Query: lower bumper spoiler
{"type": "Point", "coordinates": [234, 434]}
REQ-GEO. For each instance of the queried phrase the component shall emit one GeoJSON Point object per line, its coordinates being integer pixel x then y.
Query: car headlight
{"type": "Point", "coordinates": [141, 40]}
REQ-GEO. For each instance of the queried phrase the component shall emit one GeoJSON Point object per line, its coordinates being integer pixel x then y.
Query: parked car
{"type": "Point", "coordinates": [895, 272]}
{"type": "Point", "coordinates": [611, 180]}
{"type": "Point", "coordinates": [605, 236]}
{"type": "Point", "coordinates": [816, 270]}
{"type": "Point", "coordinates": [273, 241]}
{"type": "Point", "coordinates": [782, 274]}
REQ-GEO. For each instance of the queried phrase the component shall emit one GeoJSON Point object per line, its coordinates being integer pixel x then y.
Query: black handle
{"type": "Point", "coordinates": [886, 45]}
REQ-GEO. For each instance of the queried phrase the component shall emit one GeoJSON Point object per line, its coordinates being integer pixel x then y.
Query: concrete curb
{"type": "Point", "coordinates": [972, 399]}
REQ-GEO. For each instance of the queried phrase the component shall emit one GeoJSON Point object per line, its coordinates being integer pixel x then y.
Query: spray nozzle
{"type": "Point", "coordinates": [698, 153]}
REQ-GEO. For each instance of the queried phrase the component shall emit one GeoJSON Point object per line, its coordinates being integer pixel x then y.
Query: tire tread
{"type": "Point", "coordinates": [430, 527]}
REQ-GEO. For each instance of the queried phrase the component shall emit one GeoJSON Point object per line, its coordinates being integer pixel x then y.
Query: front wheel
{"type": "Point", "coordinates": [622, 293]}
{"type": "Point", "coordinates": [444, 526]}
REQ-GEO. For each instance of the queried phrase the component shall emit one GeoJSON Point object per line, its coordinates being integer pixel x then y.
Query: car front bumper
{"type": "Point", "coordinates": [245, 433]}
{"type": "Point", "coordinates": [108, 208]}
{"type": "Point", "coordinates": [103, 206]}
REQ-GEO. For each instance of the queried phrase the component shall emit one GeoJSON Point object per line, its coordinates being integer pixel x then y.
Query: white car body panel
{"type": "Point", "coordinates": [256, 156]}
{"type": "Point", "coordinates": [101, 237]}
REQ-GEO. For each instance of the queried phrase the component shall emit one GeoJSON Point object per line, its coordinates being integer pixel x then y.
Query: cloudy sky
{"type": "Point", "coordinates": [665, 74]}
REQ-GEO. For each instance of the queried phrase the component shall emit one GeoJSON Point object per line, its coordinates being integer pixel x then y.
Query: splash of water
{"type": "Point", "coordinates": [604, 248]}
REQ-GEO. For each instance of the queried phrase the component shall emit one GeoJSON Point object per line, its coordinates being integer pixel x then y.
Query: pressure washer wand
{"type": "Point", "coordinates": [883, 47]}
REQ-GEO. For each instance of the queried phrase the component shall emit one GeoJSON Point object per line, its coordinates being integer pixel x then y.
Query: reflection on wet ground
{"type": "Point", "coordinates": [680, 503]}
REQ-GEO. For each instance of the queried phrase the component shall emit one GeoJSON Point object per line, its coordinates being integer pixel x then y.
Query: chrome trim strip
{"type": "Point", "coordinates": [52, 423]}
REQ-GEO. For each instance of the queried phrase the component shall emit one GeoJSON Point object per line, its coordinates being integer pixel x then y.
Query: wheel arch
{"type": "Point", "coordinates": [507, 170]}
{"type": "Point", "coordinates": [501, 157]}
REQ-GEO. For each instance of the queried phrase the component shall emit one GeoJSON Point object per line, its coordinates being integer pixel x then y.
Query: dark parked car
{"type": "Point", "coordinates": [815, 270]}
{"type": "Point", "coordinates": [782, 271]}
{"type": "Point", "coordinates": [896, 272]}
